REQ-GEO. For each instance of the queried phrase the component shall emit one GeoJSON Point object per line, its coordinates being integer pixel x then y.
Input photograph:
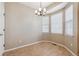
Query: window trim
{"type": "Point", "coordinates": [42, 24]}
{"type": "Point", "coordinates": [69, 20]}
{"type": "Point", "coordinates": [62, 22]}
{"type": "Point", "coordinates": [63, 17]}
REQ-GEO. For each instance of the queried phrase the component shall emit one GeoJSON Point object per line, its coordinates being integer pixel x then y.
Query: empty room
{"type": "Point", "coordinates": [39, 28]}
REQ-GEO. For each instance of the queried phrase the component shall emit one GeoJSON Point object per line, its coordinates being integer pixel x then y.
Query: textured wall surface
{"type": "Point", "coordinates": [22, 26]}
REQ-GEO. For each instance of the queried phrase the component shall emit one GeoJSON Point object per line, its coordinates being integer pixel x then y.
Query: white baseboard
{"type": "Point", "coordinates": [62, 46]}
{"type": "Point", "coordinates": [21, 46]}
{"type": "Point", "coordinates": [43, 41]}
{"type": "Point", "coordinates": [1, 52]}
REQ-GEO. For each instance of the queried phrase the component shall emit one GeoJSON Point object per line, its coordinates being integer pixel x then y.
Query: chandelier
{"type": "Point", "coordinates": [40, 11]}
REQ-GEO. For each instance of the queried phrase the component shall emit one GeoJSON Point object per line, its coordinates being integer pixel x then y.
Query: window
{"type": "Point", "coordinates": [69, 21]}
{"type": "Point", "coordinates": [56, 23]}
{"type": "Point", "coordinates": [45, 24]}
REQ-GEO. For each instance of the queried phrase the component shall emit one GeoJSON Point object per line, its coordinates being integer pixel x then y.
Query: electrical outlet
{"type": "Point", "coordinates": [20, 41]}
{"type": "Point", "coordinates": [71, 44]}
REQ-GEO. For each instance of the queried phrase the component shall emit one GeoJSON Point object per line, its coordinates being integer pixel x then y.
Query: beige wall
{"type": "Point", "coordinates": [58, 38]}
{"type": "Point", "coordinates": [22, 26]}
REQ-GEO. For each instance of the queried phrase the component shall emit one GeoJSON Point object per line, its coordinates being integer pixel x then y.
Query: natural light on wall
{"type": "Point", "coordinates": [69, 21]}
{"type": "Point", "coordinates": [56, 23]}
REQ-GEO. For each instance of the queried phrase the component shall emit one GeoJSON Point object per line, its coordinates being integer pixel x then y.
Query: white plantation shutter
{"type": "Point", "coordinates": [45, 24]}
{"type": "Point", "coordinates": [56, 23]}
{"type": "Point", "coordinates": [69, 21]}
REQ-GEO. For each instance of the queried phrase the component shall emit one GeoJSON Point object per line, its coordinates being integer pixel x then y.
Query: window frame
{"type": "Point", "coordinates": [62, 21]}
{"type": "Point", "coordinates": [48, 24]}
{"type": "Point", "coordinates": [69, 21]}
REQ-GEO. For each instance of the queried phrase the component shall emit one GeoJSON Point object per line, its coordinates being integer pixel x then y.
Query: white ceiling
{"type": "Point", "coordinates": [58, 7]}
{"type": "Point", "coordinates": [36, 5]}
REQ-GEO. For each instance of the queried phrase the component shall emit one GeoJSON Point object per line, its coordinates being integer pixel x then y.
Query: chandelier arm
{"type": "Point", "coordinates": [41, 11]}
{"type": "Point", "coordinates": [40, 5]}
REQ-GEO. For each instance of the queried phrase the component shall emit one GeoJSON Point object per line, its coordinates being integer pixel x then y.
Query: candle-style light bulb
{"type": "Point", "coordinates": [36, 11]}
{"type": "Point", "coordinates": [44, 9]}
{"type": "Point", "coordinates": [40, 9]}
